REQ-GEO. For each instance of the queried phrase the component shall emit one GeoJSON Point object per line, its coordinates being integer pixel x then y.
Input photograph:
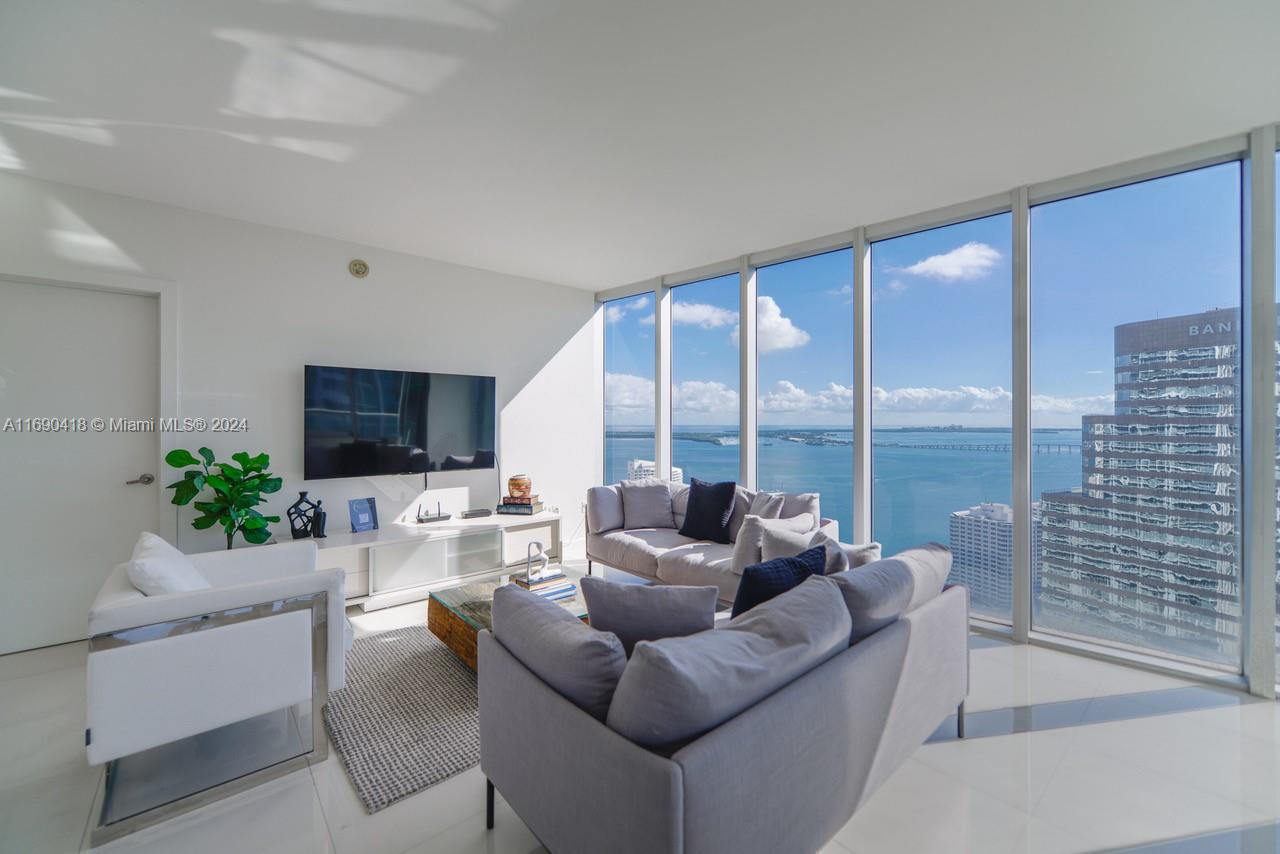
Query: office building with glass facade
{"type": "Point", "coordinates": [1148, 546]}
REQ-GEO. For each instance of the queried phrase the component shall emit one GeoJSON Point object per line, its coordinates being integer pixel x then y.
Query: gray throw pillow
{"type": "Point", "coordinates": [604, 509]}
{"type": "Point", "coordinates": [676, 689]}
{"type": "Point", "coordinates": [636, 612]}
{"type": "Point", "coordinates": [747, 548]}
{"type": "Point", "coordinates": [837, 560]}
{"type": "Point", "coordinates": [646, 504]}
{"type": "Point", "coordinates": [875, 594]}
{"type": "Point", "coordinates": [861, 554]}
{"type": "Point", "coordinates": [679, 502]}
{"type": "Point", "coordinates": [878, 593]}
{"type": "Point", "coordinates": [929, 565]}
{"type": "Point", "coordinates": [581, 663]}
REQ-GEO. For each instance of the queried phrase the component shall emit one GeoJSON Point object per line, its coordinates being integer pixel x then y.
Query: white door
{"type": "Point", "coordinates": [66, 515]}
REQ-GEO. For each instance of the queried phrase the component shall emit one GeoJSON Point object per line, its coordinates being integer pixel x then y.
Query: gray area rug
{"type": "Point", "coordinates": [407, 717]}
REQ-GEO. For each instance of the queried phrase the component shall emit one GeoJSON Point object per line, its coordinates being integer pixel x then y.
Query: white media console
{"type": "Point", "coordinates": [401, 562]}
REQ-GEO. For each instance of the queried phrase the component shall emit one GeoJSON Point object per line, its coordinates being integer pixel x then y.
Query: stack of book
{"type": "Point", "coordinates": [554, 585]}
{"type": "Point", "coordinates": [524, 505]}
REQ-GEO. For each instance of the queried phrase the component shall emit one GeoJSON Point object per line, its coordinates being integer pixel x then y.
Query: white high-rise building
{"type": "Point", "coordinates": [982, 554]}
{"type": "Point", "coordinates": [642, 469]}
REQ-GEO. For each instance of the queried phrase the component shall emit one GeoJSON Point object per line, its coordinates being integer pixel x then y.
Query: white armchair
{"type": "Point", "coordinates": [268, 634]}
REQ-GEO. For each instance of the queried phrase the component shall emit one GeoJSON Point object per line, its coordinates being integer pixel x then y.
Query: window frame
{"type": "Point", "coordinates": [1255, 149]}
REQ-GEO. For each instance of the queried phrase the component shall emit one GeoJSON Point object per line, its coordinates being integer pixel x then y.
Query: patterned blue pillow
{"type": "Point", "coordinates": [762, 581]}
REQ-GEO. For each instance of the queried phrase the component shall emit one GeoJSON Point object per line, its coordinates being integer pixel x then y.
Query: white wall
{"type": "Point", "coordinates": [255, 304]}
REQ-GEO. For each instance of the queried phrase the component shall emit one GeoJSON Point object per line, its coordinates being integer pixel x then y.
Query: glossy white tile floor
{"type": "Point", "coordinates": [1080, 788]}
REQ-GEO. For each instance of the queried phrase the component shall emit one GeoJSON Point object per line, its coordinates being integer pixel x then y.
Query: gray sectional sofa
{"type": "Point", "coordinates": [660, 553]}
{"type": "Point", "coordinates": [761, 736]}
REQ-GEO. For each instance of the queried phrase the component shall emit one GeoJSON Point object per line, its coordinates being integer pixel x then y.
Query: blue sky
{"type": "Point", "coordinates": [941, 314]}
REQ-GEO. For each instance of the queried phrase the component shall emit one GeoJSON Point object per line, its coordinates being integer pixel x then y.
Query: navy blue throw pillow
{"type": "Point", "coordinates": [710, 506]}
{"type": "Point", "coordinates": [762, 581]}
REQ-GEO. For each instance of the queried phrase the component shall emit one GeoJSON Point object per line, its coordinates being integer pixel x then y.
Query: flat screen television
{"type": "Point", "coordinates": [360, 422]}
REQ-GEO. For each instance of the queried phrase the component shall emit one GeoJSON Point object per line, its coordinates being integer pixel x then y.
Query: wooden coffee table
{"type": "Point", "coordinates": [457, 614]}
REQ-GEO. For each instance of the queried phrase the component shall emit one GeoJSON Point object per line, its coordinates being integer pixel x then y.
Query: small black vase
{"type": "Point", "coordinates": [318, 519]}
{"type": "Point", "coordinates": [299, 514]}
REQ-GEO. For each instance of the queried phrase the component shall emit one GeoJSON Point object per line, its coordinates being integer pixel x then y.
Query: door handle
{"type": "Point", "coordinates": [144, 479]}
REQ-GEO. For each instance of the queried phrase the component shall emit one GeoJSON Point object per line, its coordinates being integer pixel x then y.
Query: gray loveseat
{"type": "Point", "coordinates": [661, 554]}
{"type": "Point", "coordinates": [785, 773]}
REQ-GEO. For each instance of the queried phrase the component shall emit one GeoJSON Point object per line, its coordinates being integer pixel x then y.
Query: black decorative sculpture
{"type": "Point", "coordinates": [299, 514]}
{"type": "Point", "coordinates": [318, 519]}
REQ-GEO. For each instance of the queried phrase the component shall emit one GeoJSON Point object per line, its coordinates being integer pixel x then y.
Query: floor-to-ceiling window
{"type": "Point", "coordinates": [1135, 353]}
{"type": "Point", "coordinates": [704, 380]}
{"type": "Point", "coordinates": [1135, 397]}
{"type": "Point", "coordinates": [628, 388]}
{"type": "Point", "coordinates": [941, 310]}
{"type": "Point", "coordinates": [804, 364]}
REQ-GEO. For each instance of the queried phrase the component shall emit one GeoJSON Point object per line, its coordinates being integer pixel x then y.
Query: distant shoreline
{"type": "Point", "coordinates": [843, 437]}
{"type": "Point", "coordinates": [697, 433]}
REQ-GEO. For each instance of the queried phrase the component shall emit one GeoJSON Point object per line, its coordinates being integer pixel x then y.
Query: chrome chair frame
{"type": "Point", "coordinates": [317, 604]}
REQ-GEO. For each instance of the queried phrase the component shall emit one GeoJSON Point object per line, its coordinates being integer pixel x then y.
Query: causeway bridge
{"type": "Point", "coordinates": [997, 448]}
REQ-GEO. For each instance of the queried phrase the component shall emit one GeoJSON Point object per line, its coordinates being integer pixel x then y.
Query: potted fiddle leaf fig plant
{"type": "Point", "coordinates": [237, 488]}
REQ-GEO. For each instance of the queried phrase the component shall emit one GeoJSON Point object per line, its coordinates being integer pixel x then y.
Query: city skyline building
{"type": "Point", "coordinates": [646, 469]}
{"type": "Point", "coordinates": [1145, 552]}
{"type": "Point", "coordinates": [981, 540]}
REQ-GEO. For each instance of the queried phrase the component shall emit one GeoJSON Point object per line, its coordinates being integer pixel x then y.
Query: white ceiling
{"type": "Point", "coordinates": [599, 142]}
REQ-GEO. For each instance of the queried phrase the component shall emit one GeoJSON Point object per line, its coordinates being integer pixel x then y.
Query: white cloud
{"type": "Point", "coordinates": [927, 399]}
{"type": "Point", "coordinates": [895, 288]}
{"type": "Point", "coordinates": [619, 309]}
{"type": "Point", "coordinates": [630, 398]}
{"type": "Point", "coordinates": [702, 314]}
{"type": "Point", "coordinates": [774, 331]}
{"type": "Point", "coordinates": [628, 393]}
{"type": "Point", "coordinates": [978, 399]}
{"type": "Point", "coordinates": [704, 398]}
{"type": "Point", "coordinates": [970, 261]}
{"type": "Point", "coordinates": [1072, 407]}
{"type": "Point", "coordinates": [845, 291]}
{"type": "Point", "coordinates": [786, 396]}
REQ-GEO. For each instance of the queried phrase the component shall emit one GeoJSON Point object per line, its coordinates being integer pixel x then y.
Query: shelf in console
{"type": "Point", "coordinates": [404, 532]}
{"type": "Point", "coordinates": [373, 559]}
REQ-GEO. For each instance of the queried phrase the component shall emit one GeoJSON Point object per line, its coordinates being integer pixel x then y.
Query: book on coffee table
{"type": "Point", "coordinates": [539, 584]}
{"type": "Point", "coordinates": [555, 594]}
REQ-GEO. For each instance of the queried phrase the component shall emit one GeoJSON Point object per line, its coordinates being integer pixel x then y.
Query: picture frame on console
{"type": "Point", "coordinates": [364, 514]}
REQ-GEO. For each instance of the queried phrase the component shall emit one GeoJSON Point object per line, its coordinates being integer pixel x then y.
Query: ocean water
{"type": "Point", "coordinates": [919, 477]}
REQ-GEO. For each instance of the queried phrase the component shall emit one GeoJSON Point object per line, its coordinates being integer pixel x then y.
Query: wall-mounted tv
{"type": "Point", "coordinates": [360, 422]}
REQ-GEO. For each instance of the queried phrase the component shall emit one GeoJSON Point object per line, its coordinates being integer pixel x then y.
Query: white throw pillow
{"type": "Point", "coordinates": [157, 568]}
{"type": "Point", "coordinates": [746, 549]}
{"type": "Point", "coordinates": [840, 556]}
{"type": "Point", "coordinates": [793, 504]}
{"type": "Point", "coordinates": [766, 505]}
